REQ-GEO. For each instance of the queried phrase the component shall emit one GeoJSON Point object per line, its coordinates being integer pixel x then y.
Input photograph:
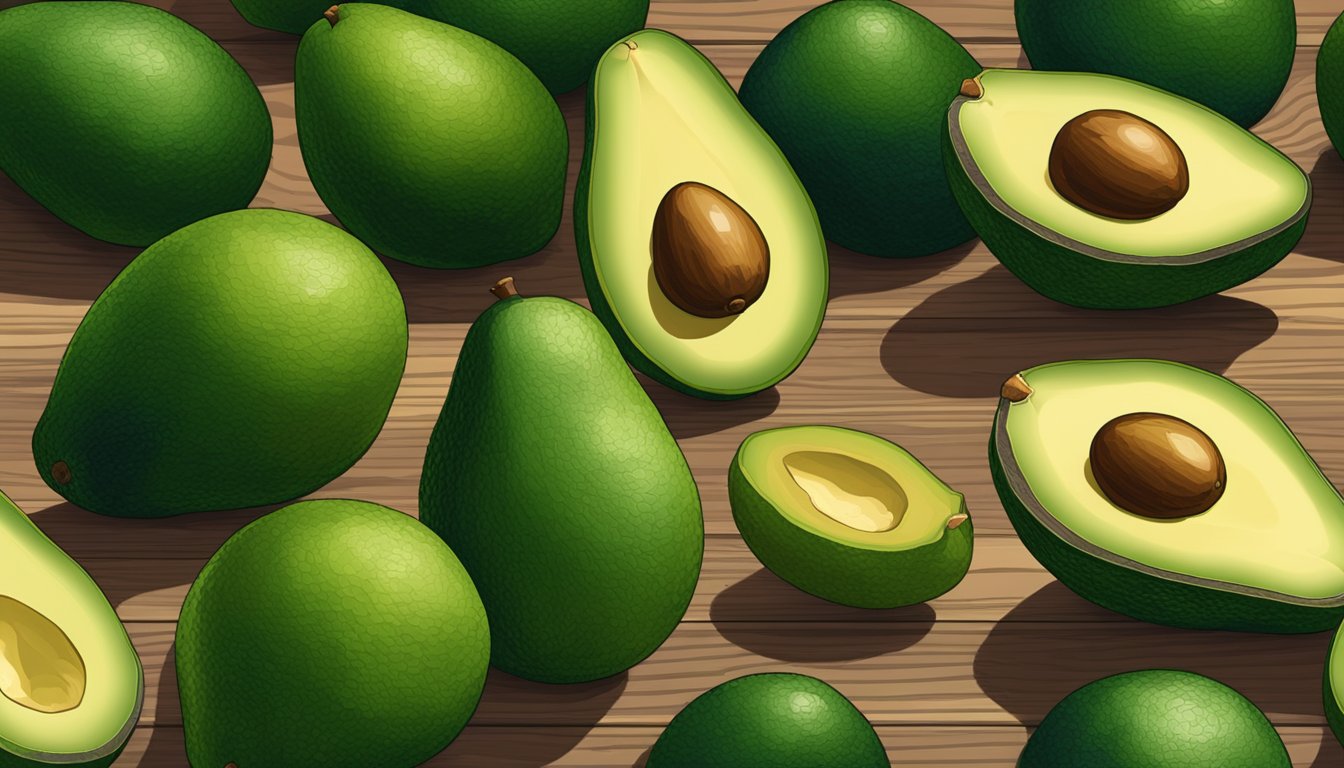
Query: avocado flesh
{"type": "Point", "coordinates": [73, 693]}
{"type": "Point", "coordinates": [660, 114]}
{"type": "Point", "coordinates": [1269, 554]}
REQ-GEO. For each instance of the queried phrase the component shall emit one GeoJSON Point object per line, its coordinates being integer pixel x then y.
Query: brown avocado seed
{"type": "Point", "coordinates": [709, 257]}
{"type": "Point", "coordinates": [1157, 466]}
{"type": "Point", "coordinates": [1118, 165]}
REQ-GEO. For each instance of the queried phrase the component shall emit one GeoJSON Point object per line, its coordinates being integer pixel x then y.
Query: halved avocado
{"type": "Point", "coordinates": [1263, 552]}
{"type": "Point", "coordinates": [71, 686]}
{"type": "Point", "coordinates": [1334, 685]}
{"type": "Point", "coordinates": [661, 119]}
{"type": "Point", "coordinates": [1244, 209]}
{"type": "Point", "coordinates": [849, 517]}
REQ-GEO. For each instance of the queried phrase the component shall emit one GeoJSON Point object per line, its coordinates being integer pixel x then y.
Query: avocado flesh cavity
{"type": "Point", "coordinates": [660, 114]}
{"type": "Point", "coordinates": [70, 681]}
{"type": "Point", "coordinates": [1275, 538]}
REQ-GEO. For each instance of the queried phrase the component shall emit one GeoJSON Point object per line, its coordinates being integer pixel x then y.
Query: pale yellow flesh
{"type": "Point", "coordinates": [39, 666]}
{"type": "Point", "coordinates": [1240, 187]}
{"type": "Point", "coordinates": [849, 491]}
{"type": "Point", "coordinates": [1279, 525]}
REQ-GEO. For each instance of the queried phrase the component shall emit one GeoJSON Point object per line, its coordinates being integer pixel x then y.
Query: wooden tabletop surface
{"type": "Point", "coordinates": [912, 350]}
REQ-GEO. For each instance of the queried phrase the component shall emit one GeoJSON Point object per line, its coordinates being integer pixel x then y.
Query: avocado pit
{"type": "Point", "coordinates": [709, 256]}
{"type": "Point", "coordinates": [1157, 466]}
{"type": "Point", "coordinates": [1116, 164]}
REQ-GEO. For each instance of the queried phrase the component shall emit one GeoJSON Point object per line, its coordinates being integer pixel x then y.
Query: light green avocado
{"type": "Point", "coordinates": [125, 121]}
{"type": "Point", "coordinates": [247, 359]}
{"type": "Point", "coordinates": [1334, 685]}
{"type": "Point", "coordinates": [70, 682]}
{"type": "Point", "coordinates": [769, 720]}
{"type": "Point", "coordinates": [552, 475]}
{"type": "Point", "coordinates": [430, 144]}
{"type": "Point", "coordinates": [1155, 718]}
{"type": "Point", "coordinates": [660, 114]}
{"type": "Point", "coordinates": [1267, 555]}
{"type": "Point", "coordinates": [329, 633]}
{"type": "Point", "coordinates": [848, 516]}
{"type": "Point", "coordinates": [1330, 82]}
{"type": "Point", "coordinates": [1245, 208]}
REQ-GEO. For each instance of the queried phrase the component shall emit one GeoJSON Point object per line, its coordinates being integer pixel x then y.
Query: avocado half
{"type": "Point", "coordinates": [1267, 556]}
{"type": "Point", "coordinates": [1245, 209]}
{"type": "Point", "coordinates": [848, 516]}
{"type": "Point", "coordinates": [660, 115]}
{"type": "Point", "coordinates": [1334, 685]}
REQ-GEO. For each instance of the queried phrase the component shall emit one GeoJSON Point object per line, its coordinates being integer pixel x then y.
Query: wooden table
{"type": "Point", "coordinates": [913, 350]}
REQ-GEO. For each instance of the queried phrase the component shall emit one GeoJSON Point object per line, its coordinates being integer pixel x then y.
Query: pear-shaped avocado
{"type": "Point", "coordinates": [1170, 494]}
{"type": "Point", "coordinates": [247, 359]}
{"type": "Point", "coordinates": [430, 144]}
{"type": "Point", "coordinates": [553, 477]}
{"type": "Point", "coordinates": [1103, 192]}
{"type": "Point", "coordinates": [328, 633]}
{"type": "Point", "coordinates": [703, 257]}
{"type": "Point", "coordinates": [848, 516]}
{"type": "Point", "coordinates": [1330, 82]}
{"type": "Point", "coordinates": [124, 120]}
{"type": "Point", "coordinates": [70, 682]}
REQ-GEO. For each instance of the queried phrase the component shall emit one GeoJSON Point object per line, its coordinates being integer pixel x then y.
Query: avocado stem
{"type": "Point", "coordinates": [60, 472]}
{"type": "Point", "coordinates": [505, 289]}
{"type": "Point", "coordinates": [332, 15]}
{"type": "Point", "coordinates": [1015, 389]}
{"type": "Point", "coordinates": [954, 522]}
{"type": "Point", "coordinates": [971, 89]}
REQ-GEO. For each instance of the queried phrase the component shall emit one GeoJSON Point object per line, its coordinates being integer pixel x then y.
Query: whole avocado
{"type": "Point", "coordinates": [856, 92]}
{"type": "Point", "coordinates": [1233, 56]}
{"type": "Point", "coordinates": [1330, 82]}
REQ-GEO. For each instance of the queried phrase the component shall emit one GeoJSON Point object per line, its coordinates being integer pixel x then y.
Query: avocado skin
{"type": "Point", "coordinates": [553, 477]}
{"type": "Point", "coordinates": [121, 154]}
{"type": "Point", "coordinates": [1330, 82]}
{"type": "Point", "coordinates": [1069, 277]}
{"type": "Point", "coordinates": [247, 359]}
{"type": "Point", "coordinates": [858, 113]}
{"type": "Point", "coordinates": [1233, 55]}
{"type": "Point", "coordinates": [755, 721]}
{"type": "Point", "coordinates": [1334, 715]}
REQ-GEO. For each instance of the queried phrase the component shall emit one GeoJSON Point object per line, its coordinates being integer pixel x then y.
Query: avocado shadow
{"type": "Point", "coordinates": [194, 537]}
{"type": "Point", "coordinates": [515, 701]}
{"type": "Point", "coordinates": [1331, 754]}
{"type": "Point", "coordinates": [167, 746]}
{"type": "Point", "coordinates": [643, 759]}
{"type": "Point", "coordinates": [965, 340]}
{"type": "Point", "coordinates": [1325, 222]}
{"type": "Point", "coordinates": [854, 273]}
{"type": "Point", "coordinates": [1028, 662]}
{"type": "Point", "coordinates": [689, 416]}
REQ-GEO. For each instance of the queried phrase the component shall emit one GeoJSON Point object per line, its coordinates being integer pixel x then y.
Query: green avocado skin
{"type": "Point", "coordinates": [247, 359]}
{"type": "Point", "coordinates": [1330, 82]}
{"type": "Point", "coordinates": [1231, 55]}
{"type": "Point", "coordinates": [856, 92]}
{"type": "Point", "coordinates": [769, 720]}
{"type": "Point", "coordinates": [329, 633]}
{"type": "Point", "coordinates": [552, 475]}
{"type": "Point", "coordinates": [430, 144]}
{"type": "Point", "coordinates": [1157, 718]}
{"type": "Point", "coordinates": [125, 121]}
{"type": "Point", "coordinates": [1334, 714]}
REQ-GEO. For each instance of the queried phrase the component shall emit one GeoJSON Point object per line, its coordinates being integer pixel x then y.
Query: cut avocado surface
{"type": "Point", "coordinates": [1246, 204]}
{"type": "Point", "coordinates": [1267, 553]}
{"type": "Point", "coordinates": [848, 516]}
{"type": "Point", "coordinates": [659, 116]}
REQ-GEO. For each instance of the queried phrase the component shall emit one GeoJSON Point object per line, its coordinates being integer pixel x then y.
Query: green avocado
{"type": "Point", "coordinates": [1170, 494]}
{"type": "Point", "coordinates": [1334, 685]}
{"type": "Point", "coordinates": [769, 720]}
{"type": "Point", "coordinates": [552, 475]}
{"type": "Point", "coordinates": [856, 92]}
{"type": "Point", "coordinates": [848, 516]}
{"type": "Point", "coordinates": [1155, 718]}
{"type": "Point", "coordinates": [329, 633]}
{"type": "Point", "coordinates": [1330, 82]}
{"type": "Point", "coordinates": [662, 118]}
{"type": "Point", "coordinates": [125, 121]}
{"type": "Point", "coordinates": [247, 359]}
{"type": "Point", "coordinates": [430, 144]}
{"type": "Point", "coordinates": [1243, 208]}
{"type": "Point", "coordinates": [70, 681]}
{"type": "Point", "coordinates": [1232, 55]}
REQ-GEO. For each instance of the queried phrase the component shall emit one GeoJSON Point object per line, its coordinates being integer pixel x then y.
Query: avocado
{"type": "Point", "coordinates": [125, 121]}
{"type": "Point", "coordinates": [856, 92]}
{"type": "Point", "coordinates": [1334, 685]}
{"type": "Point", "coordinates": [247, 359]}
{"type": "Point", "coordinates": [1155, 718]}
{"type": "Point", "coordinates": [848, 516]}
{"type": "Point", "coordinates": [704, 259]}
{"type": "Point", "coordinates": [553, 477]}
{"type": "Point", "coordinates": [71, 687]}
{"type": "Point", "coordinates": [1330, 82]}
{"type": "Point", "coordinates": [430, 144]}
{"type": "Point", "coordinates": [330, 632]}
{"type": "Point", "coordinates": [1170, 494]}
{"type": "Point", "coordinates": [1103, 192]}
{"type": "Point", "coordinates": [769, 720]}
{"type": "Point", "coordinates": [1233, 56]}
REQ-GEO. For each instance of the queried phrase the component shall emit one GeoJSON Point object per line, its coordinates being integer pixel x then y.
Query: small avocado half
{"type": "Point", "coordinates": [1334, 685]}
{"type": "Point", "coordinates": [849, 517]}
{"type": "Point", "coordinates": [1103, 192]}
{"type": "Point", "coordinates": [1169, 494]}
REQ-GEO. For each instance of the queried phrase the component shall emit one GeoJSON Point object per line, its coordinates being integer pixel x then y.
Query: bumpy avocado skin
{"type": "Point", "coordinates": [1232, 55]}
{"type": "Point", "coordinates": [125, 121]}
{"type": "Point", "coordinates": [855, 92]}
{"type": "Point", "coordinates": [1330, 82]}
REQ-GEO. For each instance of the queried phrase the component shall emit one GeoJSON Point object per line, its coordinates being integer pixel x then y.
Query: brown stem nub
{"type": "Point", "coordinates": [60, 472]}
{"type": "Point", "coordinates": [970, 88]}
{"type": "Point", "coordinates": [954, 522]}
{"type": "Point", "coordinates": [1015, 389]}
{"type": "Point", "coordinates": [333, 15]}
{"type": "Point", "coordinates": [505, 289]}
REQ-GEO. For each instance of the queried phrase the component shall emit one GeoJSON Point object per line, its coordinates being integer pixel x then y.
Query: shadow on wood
{"type": "Point", "coordinates": [1331, 754]}
{"type": "Point", "coordinates": [166, 746]}
{"type": "Point", "coordinates": [853, 273]}
{"type": "Point", "coordinates": [964, 341]}
{"type": "Point", "coordinates": [763, 596]}
{"type": "Point", "coordinates": [690, 416]}
{"type": "Point", "coordinates": [193, 538]}
{"type": "Point", "coordinates": [267, 62]}
{"type": "Point", "coordinates": [510, 700]}
{"type": "Point", "coordinates": [1325, 223]}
